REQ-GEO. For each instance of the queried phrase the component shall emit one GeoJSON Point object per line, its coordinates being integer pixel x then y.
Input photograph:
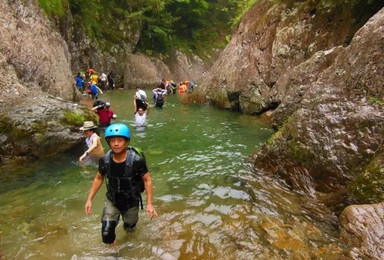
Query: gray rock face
{"type": "Point", "coordinates": [38, 54]}
{"type": "Point", "coordinates": [143, 71]}
{"type": "Point", "coordinates": [336, 129]}
{"type": "Point", "coordinates": [270, 42]}
{"type": "Point", "coordinates": [185, 67]}
{"type": "Point", "coordinates": [362, 228]}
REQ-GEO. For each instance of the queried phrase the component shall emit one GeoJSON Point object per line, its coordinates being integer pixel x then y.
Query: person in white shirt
{"type": "Point", "coordinates": [140, 114]}
{"type": "Point", "coordinates": [141, 99]}
{"type": "Point", "coordinates": [104, 82]}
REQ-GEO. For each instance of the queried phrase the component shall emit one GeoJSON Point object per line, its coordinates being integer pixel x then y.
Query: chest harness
{"type": "Point", "coordinates": [135, 183]}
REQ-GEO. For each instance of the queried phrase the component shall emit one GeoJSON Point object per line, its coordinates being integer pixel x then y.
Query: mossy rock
{"type": "Point", "coordinates": [5, 124]}
{"type": "Point", "coordinates": [368, 186]}
{"type": "Point", "coordinates": [77, 119]}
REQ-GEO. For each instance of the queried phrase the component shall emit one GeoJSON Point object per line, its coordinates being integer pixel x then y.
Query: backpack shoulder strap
{"type": "Point", "coordinates": [129, 173]}
{"type": "Point", "coordinates": [129, 160]}
{"type": "Point", "coordinates": [107, 157]}
{"type": "Point", "coordinates": [107, 161]}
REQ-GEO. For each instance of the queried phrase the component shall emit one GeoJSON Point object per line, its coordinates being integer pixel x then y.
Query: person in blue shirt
{"type": "Point", "coordinates": [94, 91]}
{"type": "Point", "coordinates": [80, 82]}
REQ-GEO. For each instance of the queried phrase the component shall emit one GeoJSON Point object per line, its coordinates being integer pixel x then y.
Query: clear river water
{"type": "Point", "coordinates": [211, 204]}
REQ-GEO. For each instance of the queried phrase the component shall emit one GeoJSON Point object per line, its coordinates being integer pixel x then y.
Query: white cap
{"type": "Point", "coordinates": [107, 104]}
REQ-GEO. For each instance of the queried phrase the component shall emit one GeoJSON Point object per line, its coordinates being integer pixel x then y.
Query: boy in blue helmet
{"type": "Point", "coordinates": [126, 174]}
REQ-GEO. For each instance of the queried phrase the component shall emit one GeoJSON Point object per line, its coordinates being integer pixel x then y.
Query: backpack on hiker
{"type": "Point", "coordinates": [135, 183]}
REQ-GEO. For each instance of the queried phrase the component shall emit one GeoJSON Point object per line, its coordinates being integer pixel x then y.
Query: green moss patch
{"type": "Point", "coordinates": [72, 118]}
{"type": "Point", "coordinates": [368, 186]}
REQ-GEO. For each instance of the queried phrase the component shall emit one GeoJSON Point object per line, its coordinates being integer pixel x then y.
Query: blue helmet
{"type": "Point", "coordinates": [120, 130]}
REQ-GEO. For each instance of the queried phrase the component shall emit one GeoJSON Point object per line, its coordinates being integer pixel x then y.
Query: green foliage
{"type": "Point", "coordinates": [54, 7]}
{"type": "Point", "coordinates": [196, 26]}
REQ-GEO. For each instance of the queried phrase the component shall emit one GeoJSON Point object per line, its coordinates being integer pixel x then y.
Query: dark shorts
{"type": "Point", "coordinates": [140, 104]}
{"type": "Point", "coordinates": [112, 213]}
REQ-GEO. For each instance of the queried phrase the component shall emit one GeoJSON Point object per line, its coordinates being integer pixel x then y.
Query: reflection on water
{"type": "Point", "coordinates": [210, 204]}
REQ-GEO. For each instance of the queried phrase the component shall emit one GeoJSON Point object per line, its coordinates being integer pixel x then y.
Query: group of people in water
{"type": "Point", "coordinates": [123, 167]}
{"type": "Point", "coordinates": [90, 83]}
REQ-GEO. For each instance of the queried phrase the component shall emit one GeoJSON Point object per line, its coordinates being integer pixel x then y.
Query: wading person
{"type": "Point", "coordinates": [140, 114]}
{"type": "Point", "coordinates": [95, 150]}
{"type": "Point", "coordinates": [159, 96]}
{"type": "Point", "coordinates": [105, 114]}
{"type": "Point", "coordinates": [126, 176]}
{"type": "Point", "coordinates": [141, 99]}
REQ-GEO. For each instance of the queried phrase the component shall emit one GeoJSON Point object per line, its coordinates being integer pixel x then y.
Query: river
{"type": "Point", "coordinates": [211, 204]}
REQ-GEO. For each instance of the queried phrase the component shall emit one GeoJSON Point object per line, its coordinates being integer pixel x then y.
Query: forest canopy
{"type": "Point", "coordinates": [191, 25]}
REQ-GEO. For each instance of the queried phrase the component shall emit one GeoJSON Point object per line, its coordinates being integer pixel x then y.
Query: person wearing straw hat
{"type": "Point", "coordinates": [95, 150]}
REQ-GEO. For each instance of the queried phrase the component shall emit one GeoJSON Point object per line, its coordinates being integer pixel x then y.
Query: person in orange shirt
{"type": "Point", "coordinates": [182, 88]}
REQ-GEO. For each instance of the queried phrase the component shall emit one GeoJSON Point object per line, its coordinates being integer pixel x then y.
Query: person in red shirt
{"type": "Point", "coordinates": [105, 114]}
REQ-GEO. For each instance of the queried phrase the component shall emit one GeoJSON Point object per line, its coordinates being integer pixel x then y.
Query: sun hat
{"type": "Point", "coordinates": [88, 125]}
{"type": "Point", "coordinates": [107, 104]}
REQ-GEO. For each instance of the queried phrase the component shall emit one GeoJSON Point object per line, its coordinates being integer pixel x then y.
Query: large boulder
{"type": "Point", "coordinates": [142, 71]}
{"type": "Point", "coordinates": [362, 230]}
{"type": "Point", "coordinates": [185, 67]}
{"type": "Point", "coordinates": [42, 126]}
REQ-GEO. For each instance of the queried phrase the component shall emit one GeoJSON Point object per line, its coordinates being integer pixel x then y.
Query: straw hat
{"type": "Point", "coordinates": [88, 125]}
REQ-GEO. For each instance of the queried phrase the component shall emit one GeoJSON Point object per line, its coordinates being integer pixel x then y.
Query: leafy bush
{"type": "Point", "coordinates": [196, 26]}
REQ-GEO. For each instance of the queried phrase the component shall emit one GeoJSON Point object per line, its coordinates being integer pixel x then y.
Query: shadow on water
{"type": "Point", "coordinates": [211, 204]}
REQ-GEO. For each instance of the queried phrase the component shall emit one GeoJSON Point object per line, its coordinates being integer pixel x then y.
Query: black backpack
{"type": "Point", "coordinates": [134, 191]}
{"type": "Point", "coordinates": [159, 96]}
